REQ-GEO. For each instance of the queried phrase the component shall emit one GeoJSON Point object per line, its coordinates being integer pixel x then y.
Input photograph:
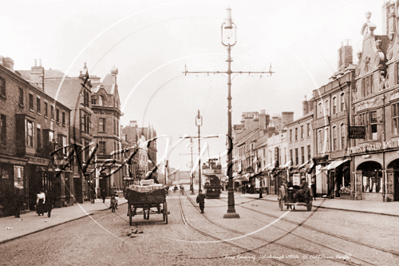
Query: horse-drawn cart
{"type": "Point", "coordinates": [146, 201]}
{"type": "Point", "coordinates": [295, 194]}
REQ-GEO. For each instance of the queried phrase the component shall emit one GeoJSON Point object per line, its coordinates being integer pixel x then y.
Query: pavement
{"type": "Point", "coordinates": [364, 206]}
{"type": "Point", "coordinates": [12, 228]}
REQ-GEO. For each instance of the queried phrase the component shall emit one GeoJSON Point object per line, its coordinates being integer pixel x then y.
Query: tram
{"type": "Point", "coordinates": [212, 171]}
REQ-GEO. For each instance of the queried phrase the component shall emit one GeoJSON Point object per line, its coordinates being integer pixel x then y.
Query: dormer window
{"type": "Point", "coordinates": [101, 100]}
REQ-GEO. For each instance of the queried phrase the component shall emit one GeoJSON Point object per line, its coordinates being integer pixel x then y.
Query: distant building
{"type": "Point", "coordinates": [146, 158]}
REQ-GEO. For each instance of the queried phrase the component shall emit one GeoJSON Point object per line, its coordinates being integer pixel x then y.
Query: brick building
{"type": "Point", "coordinates": [330, 127]}
{"type": "Point", "coordinates": [33, 125]}
{"type": "Point", "coordinates": [74, 93]}
{"type": "Point", "coordinates": [105, 104]}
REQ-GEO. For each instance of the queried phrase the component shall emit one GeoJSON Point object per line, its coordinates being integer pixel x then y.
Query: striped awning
{"type": "Point", "coordinates": [334, 165]}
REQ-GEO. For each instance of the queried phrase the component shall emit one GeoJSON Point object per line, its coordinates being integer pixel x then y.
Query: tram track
{"type": "Point", "coordinates": [309, 227]}
{"type": "Point", "coordinates": [219, 239]}
{"type": "Point", "coordinates": [274, 242]}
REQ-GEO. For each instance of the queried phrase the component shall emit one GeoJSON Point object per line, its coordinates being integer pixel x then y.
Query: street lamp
{"type": "Point", "coordinates": [198, 123]}
{"type": "Point", "coordinates": [229, 34]}
{"type": "Point", "coordinates": [228, 40]}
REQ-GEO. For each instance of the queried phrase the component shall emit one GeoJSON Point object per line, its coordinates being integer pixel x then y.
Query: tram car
{"type": "Point", "coordinates": [212, 172]}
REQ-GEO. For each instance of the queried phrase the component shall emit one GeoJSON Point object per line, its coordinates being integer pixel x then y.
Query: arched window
{"type": "Point", "coordinates": [327, 138]}
{"type": "Point", "coordinates": [343, 137]}
{"type": "Point", "coordinates": [335, 138]}
{"type": "Point", "coordinates": [327, 107]}
{"type": "Point", "coordinates": [342, 100]}
{"type": "Point", "coordinates": [320, 109]}
{"type": "Point", "coordinates": [334, 107]}
{"type": "Point", "coordinates": [319, 142]}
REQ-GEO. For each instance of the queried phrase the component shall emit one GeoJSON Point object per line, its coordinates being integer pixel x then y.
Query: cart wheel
{"type": "Point", "coordinates": [165, 209]}
{"type": "Point", "coordinates": [309, 206]}
{"type": "Point", "coordinates": [281, 204]}
{"type": "Point", "coordinates": [129, 210]}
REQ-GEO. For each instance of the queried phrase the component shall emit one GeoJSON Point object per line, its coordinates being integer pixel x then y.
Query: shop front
{"type": "Point", "coordinates": [12, 178]}
{"type": "Point", "coordinates": [369, 181]}
{"type": "Point", "coordinates": [392, 192]}
{"type": "Point", "coordinates": [337, 175]}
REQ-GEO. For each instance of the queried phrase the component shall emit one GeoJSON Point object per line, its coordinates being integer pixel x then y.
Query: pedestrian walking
{"type": "Point", "coordinates": [48, 206]}
{"type": "Point", "coordinates": [92, 195]}
{"type": "Point", "coordinates": [313, 186]}
{"type": "Point", "coordinates": [40, 201]}
{"type": "Point", "coordinates": [113, 203]}
{"type": "Point", "coordinates": [103, 194]}
{"type": "Point", "coordinates": [260, 193]}
{"type": "Point", "coordinates": [18, 203]}
{"type": "Point", "coordinates": [201, 201]}
{"type": "Point", "coordinates": [116, 200]}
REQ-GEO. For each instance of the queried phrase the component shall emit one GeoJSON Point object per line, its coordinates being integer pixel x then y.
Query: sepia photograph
{"type": "Point", "coordinates": [199, 132]}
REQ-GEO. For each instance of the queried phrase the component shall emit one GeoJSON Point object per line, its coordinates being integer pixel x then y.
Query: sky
{"type": "Point", "coordinates": [153, 42]}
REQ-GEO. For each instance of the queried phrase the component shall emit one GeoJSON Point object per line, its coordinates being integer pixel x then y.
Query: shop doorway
{"type": "Point", "coordinates": [77, 183]}
{"type": "Point", "coordinates": [393, 173]}
{"type": "Point", "coordinates": [371, 180]}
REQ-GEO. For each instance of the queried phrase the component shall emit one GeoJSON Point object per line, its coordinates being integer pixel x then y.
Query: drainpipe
{"type": "Point", "coordinates": [384, 172]}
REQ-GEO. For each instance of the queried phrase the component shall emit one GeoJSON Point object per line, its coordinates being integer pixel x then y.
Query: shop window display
{"type": "Point", "coordinates": [372, 182]}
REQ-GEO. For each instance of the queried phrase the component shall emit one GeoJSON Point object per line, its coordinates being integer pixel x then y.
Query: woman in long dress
{"type": "Point", "coordinates": [40, 201]}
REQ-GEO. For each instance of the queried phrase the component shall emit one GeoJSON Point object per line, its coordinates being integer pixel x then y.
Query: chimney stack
{"type": "Point", "coordinates": [8, 62]}
{"type": "Point", "coordinates": [288, 117]}
{"type": "Point", "coordinates": [37, 75]}
{"type": "Point", "coordinates": [305, 105]}
{"type": "Point", "coordinates": [345, 55]}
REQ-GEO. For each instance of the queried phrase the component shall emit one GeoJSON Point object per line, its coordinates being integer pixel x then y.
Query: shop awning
{"type": "Point", "coordinates": [307, 166]}
{"type": "Point", "coordinates": [334, 165]}
{"type": "Point", "coordinates": [288, 164]}
{"type": "Point", "coordinates": [267, 167]}
{"type": "Point", "coordinates": [241, 178]}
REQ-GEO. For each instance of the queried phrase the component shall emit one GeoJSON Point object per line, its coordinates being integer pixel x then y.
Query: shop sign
{"type": "Point", "coordinates": [357, 132]}
{"type": "Point", "coordinates": [321, 122]}
{"type": "Point", "coordinates": [375, 146]}
{"type": "Point", "coordinates": [39, 161]}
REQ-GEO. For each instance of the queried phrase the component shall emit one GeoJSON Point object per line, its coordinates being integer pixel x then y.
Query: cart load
{"type": "Point", "coordinates": [147, 197]}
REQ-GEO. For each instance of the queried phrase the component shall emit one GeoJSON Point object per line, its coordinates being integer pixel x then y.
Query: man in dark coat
{"type": "Point", "coordinates": [18, 203]}
{"type": "Point", "coordinates": [303, 192]}
{"type": "Point", "coordinates": [201, 201]}
{"type": "Point", "coordinates": [313, 186]}
{"type": "Point", "coordinates": [48, 206]}
{"type": "Point", "coordinates": [103, 194]}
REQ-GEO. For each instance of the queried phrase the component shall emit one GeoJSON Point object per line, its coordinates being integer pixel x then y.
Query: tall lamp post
{"type": "Point", "coordinates": [229, 40]}
{"type": "Point", "coordinates": [198, 123]}
{"type": "Point", "coordinates": [228, 34]}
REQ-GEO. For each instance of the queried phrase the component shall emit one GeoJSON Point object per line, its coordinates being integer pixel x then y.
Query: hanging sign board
{"type": "Point", "coordinates": [357, 132]}
{"type": "Point", "coordinates": [296, 180]}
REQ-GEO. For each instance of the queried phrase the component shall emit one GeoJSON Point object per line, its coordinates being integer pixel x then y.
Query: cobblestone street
{"type": "Point", "coordinates": [262, 236]}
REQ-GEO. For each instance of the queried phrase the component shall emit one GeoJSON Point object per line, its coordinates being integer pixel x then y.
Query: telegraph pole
{"type": "Point", "coordinates": [228, 40]}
